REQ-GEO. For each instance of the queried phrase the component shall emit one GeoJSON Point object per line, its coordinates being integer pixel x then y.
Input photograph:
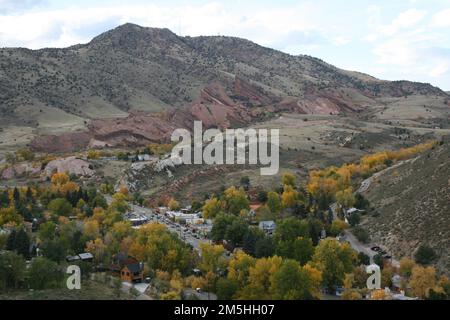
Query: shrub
{"type": "Point", "coordinates": [425, 255]}
{"type": "Point", "coordinates": [361, 234]}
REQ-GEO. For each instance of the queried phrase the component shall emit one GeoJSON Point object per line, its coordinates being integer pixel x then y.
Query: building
{"type": "Point", "coordinates": [133, 272]}
{"type": "Point", "coordinates": [179, 215]}
{"type": "Point", "coordinates": [127, 268]}
{"type": "Point", "coordinates": [84, 257]}
{"type": "Point", "coordinates": [267, 226]}
{"type": "Point", "coordinates": [136, 219]}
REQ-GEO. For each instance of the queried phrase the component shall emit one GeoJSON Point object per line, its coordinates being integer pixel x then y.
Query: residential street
{"type": "Point", "coordinates": [184, 233]}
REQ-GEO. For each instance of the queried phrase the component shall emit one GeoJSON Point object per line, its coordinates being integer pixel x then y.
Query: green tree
{"type": "Point", "coordinates": [300, 249]}
{"type": "Point", "coordinates": [292, 282]}
{"type": "Point", "coordinates": [288, 179]}
{"type": "Point", "coordinates": [211, 208]}
{"type": "Point", "coordinates": [236, 200]}
{"type": "Point", "coordinates": [354, 219]}
{"type": "Point", "coordinates": [425, 255]}
{"type": "Point", "coordinates": [226, 288]}
{"type": "Point", "coordinates": [334, 260]}
{"type": "Point", "coordinates": [22, 245]}
{"type": "Point", "coordinates": [274, 202]}
{"type": "Point", "coordinates": [44, 274]}
{"type": "Point", "coordinates": [290, 229]}
{"type": "Point", "coordinates": [60, 207]}
{"type": "Point", "coordinates": [12, 270]}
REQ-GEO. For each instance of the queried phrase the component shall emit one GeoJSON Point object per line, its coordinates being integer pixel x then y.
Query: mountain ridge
{"type": "Point", "coordinates": [133, 69]}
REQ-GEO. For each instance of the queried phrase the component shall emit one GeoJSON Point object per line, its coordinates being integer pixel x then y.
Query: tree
{"type": "Point", "coordinates": [93, 154]}
{"type": "Point", "coordinates": [12, 270]}
{"type": "Point", "coordinates": [264, 247]}
{"type": "Point", "coordinates": [300, 249]}
{"type": "Point", "coordinates": [119, 203]}
{"type": "Point", "coordinates": [289, 197]}
{"type": "Point", "coordinates": [245, 182]}
{"type": "Point", "coordinates": [363, 259]}
{"type": "Point", "coordinates": [288, 179]}
{"type": "Point", "coordinates": [236, 231]}
{"type": "Point", "coordinates": [19, 242]}
{"type": "Point", "coordinates": [226, 288]}
{"type": "Point", "coordinates": [22, 243]}
{"type": "Point", "coordinates": [60, 207]}
{"type": "Point", "coordinates": [16, 197]}
{"type": "Point", "coordinates": [25, 154]}
{"type": "Point", "coordinates": [211, 208]}
{"type": "Point", "coordinates": [211, 258]}
{"type": "Point", "coordinates": [235, 200]}
{"type": "Point", "coordinates": [174, 204]}
{"type": "Point", "coordinates": [59, 179]}
{"type": "Point", "coordinates": [290, 229]}
{"type": "Point", "coordinates": [273, 202]}
{"type": "Point", "coordinates": [292, 282]}
{"type": "Point", "coordinates": [47, 231]}
{"type": "Point", "coordinates": [425, 255]}
{"type": "Point", "coordinates": [4, 199]}
{"type": "Point", "coordinates": [354, 219]}
{"type": "Point", "coordinates": [262, 196]}
{"type": "Point", "coordinates": [351, 294]}
{"type": "Point", "coordinates": [334, 260]}
{"type": "Point", "coordinates": [54, 250]}
{"type": "Point", "coordinates": [44, 274]}
{"type": "Point", "coordinates": [345, 198]}
{"type": "Point", "coordinates": [239, 267]}
{"type": "Point", "coordinates": [361, 234]}
{"type": "Point", "coordinates": [361, 202]}
{"type": "Point", "coordinates": [406, 266]}
{"type": "Point", "coordinates": [259, 279]}
{"type": "Point", "coordinates": [423, 279]}
{"type": "Point", "coordinates": [338, 226]}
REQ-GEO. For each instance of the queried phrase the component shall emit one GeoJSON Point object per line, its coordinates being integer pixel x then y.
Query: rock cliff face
{"type": "Point", "coordinates": [70, 165]}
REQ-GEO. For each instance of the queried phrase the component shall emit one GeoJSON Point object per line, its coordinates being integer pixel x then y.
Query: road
{"type": "Point", "coordinates": [366, 183]}
{"type": "Point", "coordinates": [183, 232]}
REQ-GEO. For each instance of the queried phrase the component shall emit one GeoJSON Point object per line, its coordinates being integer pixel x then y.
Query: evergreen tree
{"type": "Point", "coordinates": [29, 195]}
{"type": "Point", "coordinates": [23, 243]}
{"type": "Point", "coordinates": [4, 199]}
{"type": "Point", "coordinates": [16, 197]}
{"type": "Point", "coordinates": [11, 241]}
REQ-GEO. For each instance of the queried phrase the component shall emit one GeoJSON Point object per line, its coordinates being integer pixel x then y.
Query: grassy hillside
{"type": "Point", "coordinates": [413, 206]}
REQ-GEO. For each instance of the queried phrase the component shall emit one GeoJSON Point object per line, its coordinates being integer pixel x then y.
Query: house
{"type": "Point", "coordinates": [254, 208]}
{"type": "Point", "coordinates": [127, 268]}
{"type": "Point", "coordinates": [267, 226]}
{"type": "Point", "coordinates": [143, 157]}
{"type": "Point", "coordinates": [351, 211]}
{"type": "Point", "coordinates": [84, 257]}
{"type": "Point", "coordinates": [133, 272]}
{"type": "Point", "coordinates": [136, 219]}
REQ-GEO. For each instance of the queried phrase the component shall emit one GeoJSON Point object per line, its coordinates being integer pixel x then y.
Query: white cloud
{"type": "Point", "coordinates": [404, 20]}
{"type": "Point", "coordinates": [56, 28]}
{"type": "Point", "coordinates": [441, 19]}
{"type": "Point", "coordinates": [441, 69]}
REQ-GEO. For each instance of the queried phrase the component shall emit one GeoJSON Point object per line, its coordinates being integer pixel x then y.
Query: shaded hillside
{"type": "Point", "coordinates": [413, 202]}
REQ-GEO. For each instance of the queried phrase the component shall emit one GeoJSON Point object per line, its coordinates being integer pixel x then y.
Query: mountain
{"type": "Point", "coordinates": [130, 71]}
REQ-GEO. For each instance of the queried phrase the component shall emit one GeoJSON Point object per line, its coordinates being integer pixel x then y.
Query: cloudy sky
{"type": "Point", "coordinates": [390, 39]}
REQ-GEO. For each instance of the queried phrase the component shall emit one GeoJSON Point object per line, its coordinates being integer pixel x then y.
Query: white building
{"type": "Point", "coordinates": [267, 226]}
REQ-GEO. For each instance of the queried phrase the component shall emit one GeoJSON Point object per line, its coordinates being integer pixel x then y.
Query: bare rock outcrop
{"type": "Point", "coordinates": [70, 165]}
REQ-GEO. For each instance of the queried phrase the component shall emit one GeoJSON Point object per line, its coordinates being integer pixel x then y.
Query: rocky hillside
{"type": "Point", "coordinates": [413, 206]}
{"type": "Point", "coordinates": [132, 68]}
